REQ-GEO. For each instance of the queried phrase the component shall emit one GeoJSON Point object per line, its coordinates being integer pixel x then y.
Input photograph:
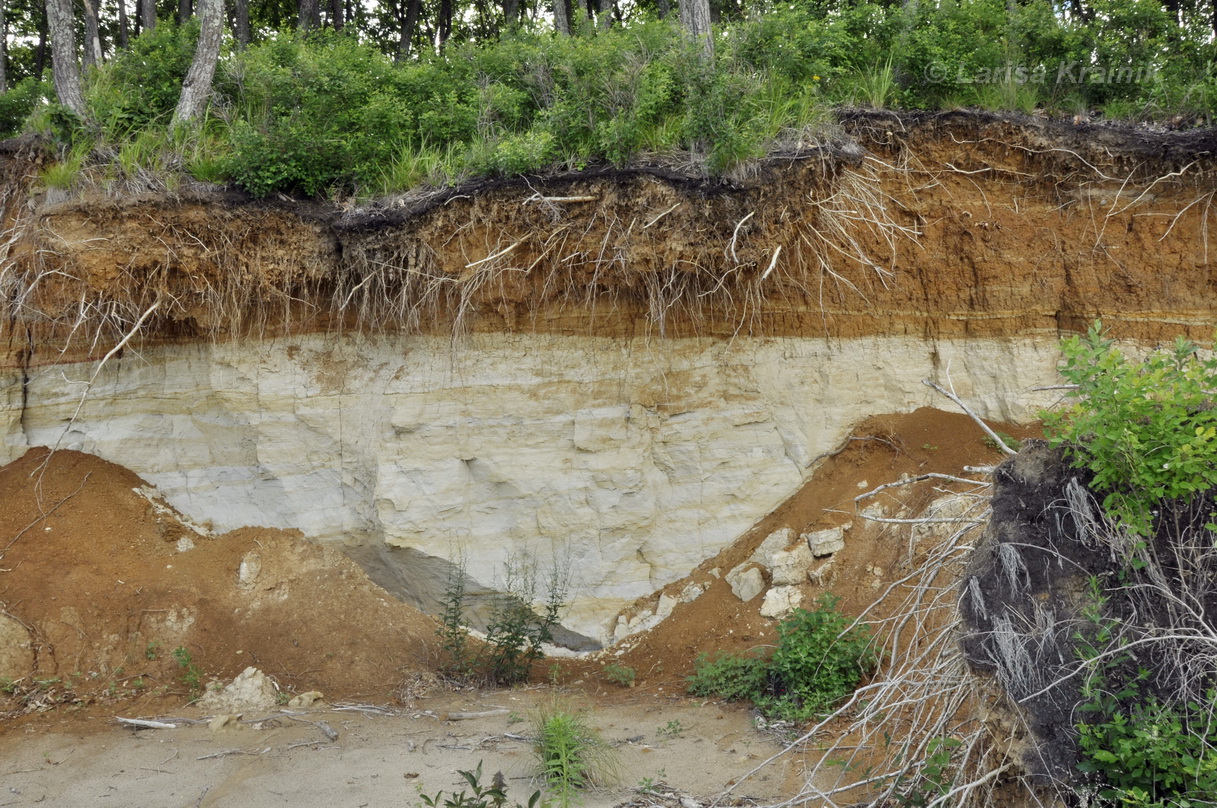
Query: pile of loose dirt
{"type": "Point", "coordinates": [109, 581]}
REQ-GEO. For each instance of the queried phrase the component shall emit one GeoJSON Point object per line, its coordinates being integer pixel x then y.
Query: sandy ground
{"type": "Point", "coordinates": [280, 758]}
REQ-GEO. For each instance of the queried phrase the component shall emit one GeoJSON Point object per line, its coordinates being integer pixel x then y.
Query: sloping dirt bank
{"type": "Point", "coordinates": [916, 224]}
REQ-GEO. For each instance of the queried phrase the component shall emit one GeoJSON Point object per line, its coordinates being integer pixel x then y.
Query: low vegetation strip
{"type": "Point", "coordinates": [326, 113]}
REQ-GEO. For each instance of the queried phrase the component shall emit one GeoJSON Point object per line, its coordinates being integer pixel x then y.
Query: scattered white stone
{"type": "Point", "coordinates": [862, 484]}
{"type": "Point", "coordinates": [819, 575]}
{"type": "Point", "coordinates": [775, 542]}
{"type": "Point", "coordinates": [746, 582]}
{"type": "Point", "coordinates": [249, 570]}
{"type": "Point", "coordinates": [691, 592]}
{"type": "Point", "coordinates": [251, 691]}
{"type": "Point", "coordinates": [781, 601]}
{"type": "Point", "coordinates": [825, 542]}
{"type": "Point", "coordinates": [225, 722]}
{"type": "Point", "coordinates": [308, 699]}
{"type": "Point", "coordinates": [791, 566]}
{"type": "Point", "coordinates": [666, 605]}
{"type": "Point", "coordinates": [716, 573]}
{"type": "Point", "coordinates": [184, 544]}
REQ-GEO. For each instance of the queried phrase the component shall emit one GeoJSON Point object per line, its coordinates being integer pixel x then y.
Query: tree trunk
{"type": "Point", "coordinates": [511, 13]}
{"type": "Point", "coordinates": [408, 21]}
{"type": "Point", "coordinates": [665, 8]}
{"type": "Point", "coordinates": [124, 26]}
{"type": "Point", "coordinates": [64, 69]}
{"type": "Point", "coordinates": [3, 49]}
{"type": "Point", "coordinates": [562, 17]}
{"type": "Point", "coordinates": [197, 87]}
{"type": "Point", "coordinates": [445, 22]}
{"type": "Point", "coordinates": [695, 17]}
{"type": "Point", "coordinates": [185, 10]}
{"type": "Point", "coordinates": [92, 52]}
{"type": "Point", "coordinates": [241, 24]}
{"type": "Point", "coordinates": [336, 9]}
{"type": "Point", "coordinates": [147, 14]}
{"type": "Point", "coordinates": [40, 51]}
{"type": "Point", "coordinates": [310, 15]}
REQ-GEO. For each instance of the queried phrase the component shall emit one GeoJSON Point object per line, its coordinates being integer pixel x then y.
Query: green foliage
{"type": "Point", "coordinates": [819, 660]}
{"type": "Point", "coordinates": [17, 104]}
{"type": "Point", "coordinates": [934, 779]}
{"type": "Point", "coordinates": [620, 674]}
{"type": "Point", "coordinates": [1146, 429]}
{"type": "Point", "coordinates": [141, 85]}
{"type": "Point", "coordinates": [454, 638]}
{"type": "Point", "coordinates": [479, 795]}
{"type": "Point", "coordinates": [733, 677]}
{"type": "Point", "coordinates": [191, 673]}
{"type": "Point", "coordinates": [571, 754]}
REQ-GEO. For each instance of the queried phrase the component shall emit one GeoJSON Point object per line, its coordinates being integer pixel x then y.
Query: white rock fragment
{"type": "Point", "coordinates": [666, 605]}
{"type": "Point", "coordinates": [746, 582]}
{"type": "Point", "coordinates": [249, 570]}
{"type": "Point", "coordinates": [781, 601]}
{"type": "Point", "coordinates": [825, 542]}
{"type": "Point", "coordinates": [691, 592]}
{"type": "Point", "coordinates": [184, 544]}
{"type": "Point", "coordinates": [791, 566]}
{"type": "Point", "coordinates": [775, 542]}
{"type": "Point", "coordinates": [251, 691]}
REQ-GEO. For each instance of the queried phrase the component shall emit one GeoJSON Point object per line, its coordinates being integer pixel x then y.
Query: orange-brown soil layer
{"type": "Point", "coordinates": [947, 224]}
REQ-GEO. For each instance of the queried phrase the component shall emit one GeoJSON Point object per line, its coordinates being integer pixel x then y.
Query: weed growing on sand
{"type": "Point", "coordinates": [192, 674]}
{"type": "Point", "coordinates": [820, 659]}
{"type": "Point", "coordinates": [672, 729]}
{"type": "Point", "coordinates": [479, 795]}
{"type": "Point", "coordinates": [571, 754]}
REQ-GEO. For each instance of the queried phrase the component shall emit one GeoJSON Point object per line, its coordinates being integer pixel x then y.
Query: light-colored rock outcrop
{"type": "Point", "coordinates": [633, 458]}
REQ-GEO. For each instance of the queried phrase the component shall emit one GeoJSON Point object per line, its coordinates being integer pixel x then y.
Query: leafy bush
{"type": "Point", "coordinates": [819, 660]}
{"type": "Point", "coordinates": [141, 85]}
{"type": "Point", "coordinates": [1147, 429]}
{"type": "Point", "coordinates": [17, 104]}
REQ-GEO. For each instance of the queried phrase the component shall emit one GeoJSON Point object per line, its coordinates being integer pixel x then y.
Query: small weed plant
{"type": "Point", "coordinates": [820, 659]}
{"type": "Point", "coordinates": [191, 673]}
{"type": "Point", "coordinates": [515, 632]}
{"type": "Point", "coordinates": [479, 795]}
{"type": "Point", "coordinates": [620, 674]}
{"type": "Point", "coordinates": [571, 754]}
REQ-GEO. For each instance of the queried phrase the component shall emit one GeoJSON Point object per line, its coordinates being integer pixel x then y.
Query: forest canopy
{"type": "Point", "coordinates": [371, 98]}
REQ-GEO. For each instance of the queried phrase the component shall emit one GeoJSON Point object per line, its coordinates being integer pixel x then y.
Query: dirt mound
{"type": "Point", "coordinates": [883, 449]}
{"type": "Point", "coordinates": [108, 581]}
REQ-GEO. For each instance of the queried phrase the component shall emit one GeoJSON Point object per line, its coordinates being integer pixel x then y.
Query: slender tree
{"type": "Point", "coordinates": [3, 48]}
{"type": "Point", "coordinates": [695, 17]}
{"type": "Point", "coordinates": [147, 14]}
{"type": "Point", "coordinates": [197, 87]}
{"type": "Point", "coordinates": [407, 20]}
{"type": "Point", "coordinates": [336, 14]}
{"type": "Point", "coordinates": [241, 23]}
{"type": "Point", "coordinates": [124, 33]}
{"type": "Point", "coordinates": [562, 16]}
{"type": "Point", "coordinates": [64, 69]}
{"type": "Point", "coordinates": [92, 50]}
{"type": "Point", "coordinates": [185, 10]}
{"type": "Point", "coordinates": [309, 16]}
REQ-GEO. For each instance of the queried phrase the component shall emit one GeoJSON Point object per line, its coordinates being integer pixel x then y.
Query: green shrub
{"type": "Point", "coordinates": [17, 104]}
{"type": "Point", "coordinates": [620, 674]}
{"type": "Point", "coordinates": [141, 85]}
{"type": "Point", "coordinates": [819, 660]}
{"type": "Point", "coordinates": [733, 677]}
{"type": "Point", "coordinates": [479, 795]}
{"type": "Point", "coordinates": [1146, 429]}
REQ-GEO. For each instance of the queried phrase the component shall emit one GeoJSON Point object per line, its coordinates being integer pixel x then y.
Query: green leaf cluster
{"type": "Point", "coordinates": [1146, 428]}
{"type": "Point", "coordinates": [820, 658]}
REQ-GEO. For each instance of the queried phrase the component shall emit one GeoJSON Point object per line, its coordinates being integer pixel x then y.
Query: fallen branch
{"type": "Point", "coordinates": [471, 716]}
{"type": "Point", "coordinates": [141, 723]}
{"type": "Point", "coordinates": [1001, 444]}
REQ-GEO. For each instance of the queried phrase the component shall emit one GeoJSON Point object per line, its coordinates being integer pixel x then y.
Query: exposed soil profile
{"type": "Point", "coordinates": [95, 570]}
